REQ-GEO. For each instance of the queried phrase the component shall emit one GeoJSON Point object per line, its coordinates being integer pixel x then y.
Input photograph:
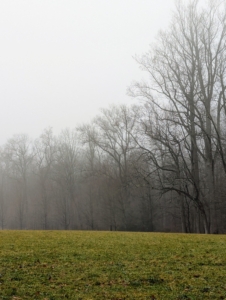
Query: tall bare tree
{"type": "Point", "coordinates": [187, 75]}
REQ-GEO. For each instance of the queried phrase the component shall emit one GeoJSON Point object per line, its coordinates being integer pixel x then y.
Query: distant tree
{"type": "Point", "coordinates": [19, 156]}
{"type": "Point", "coordinates": [46, 150]}
{"type": "Point", "coordinates": [66, 175]}
{"type": "Point", "coordinates": [3, 183]}
{"type": "Point", "coordinates": [111, 133]}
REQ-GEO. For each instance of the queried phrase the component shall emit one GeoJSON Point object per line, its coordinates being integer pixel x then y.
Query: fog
{"type": "Point", "coordinates": [60, 61]}
{"type": "Point", "coordinates": [67, 164]}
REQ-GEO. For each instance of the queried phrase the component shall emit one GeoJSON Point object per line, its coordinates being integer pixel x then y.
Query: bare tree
{"type": "Point", "coordinates": [187, 71]}
{"type": "Point", "coordinates": [65, 174]}
{"type": "Point", "coordinates": [46, 149]}
{"type": "Point", "coordinates": [111, 133]}
{"type": "Point", "coordinates": [3, 183]}
{"type": "Point", "coordinates": [19, 156]}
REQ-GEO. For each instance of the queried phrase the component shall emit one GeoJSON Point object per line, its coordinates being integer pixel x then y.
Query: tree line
{"type": "Point", "coordinates": [156, 166]}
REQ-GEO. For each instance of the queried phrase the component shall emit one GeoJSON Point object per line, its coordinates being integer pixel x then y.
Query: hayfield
{"type": "Point", "coordinates": [111, 265]}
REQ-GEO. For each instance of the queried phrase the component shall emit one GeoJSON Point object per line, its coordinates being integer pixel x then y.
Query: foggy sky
{"type": "Point", "coordinates": [60, 61]}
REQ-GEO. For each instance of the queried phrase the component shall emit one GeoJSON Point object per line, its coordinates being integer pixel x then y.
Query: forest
{"type": "Point", "coordinates": [159, 165]}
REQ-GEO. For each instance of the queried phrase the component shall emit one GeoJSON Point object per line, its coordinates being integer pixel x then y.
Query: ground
{"type": "Point", "coordinates": [111, 265]}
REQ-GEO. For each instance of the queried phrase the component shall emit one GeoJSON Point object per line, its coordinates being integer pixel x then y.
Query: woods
{"type": "Point", "coordinates": [159, 165]}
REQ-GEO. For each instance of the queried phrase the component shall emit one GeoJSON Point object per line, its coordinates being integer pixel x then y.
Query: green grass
{"type": "Point", "coordinates": [111, 265]}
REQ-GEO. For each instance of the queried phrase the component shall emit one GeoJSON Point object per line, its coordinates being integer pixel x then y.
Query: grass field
{"type": "Point", "coordinates": [111, 265]}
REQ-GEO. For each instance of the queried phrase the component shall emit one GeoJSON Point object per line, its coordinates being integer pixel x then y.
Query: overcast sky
{"type": "Point", "coordinates": [61, 60]}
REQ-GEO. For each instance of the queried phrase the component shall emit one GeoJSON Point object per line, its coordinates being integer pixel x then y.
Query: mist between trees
{"type": "Point", "coordinates": [157, 166]}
